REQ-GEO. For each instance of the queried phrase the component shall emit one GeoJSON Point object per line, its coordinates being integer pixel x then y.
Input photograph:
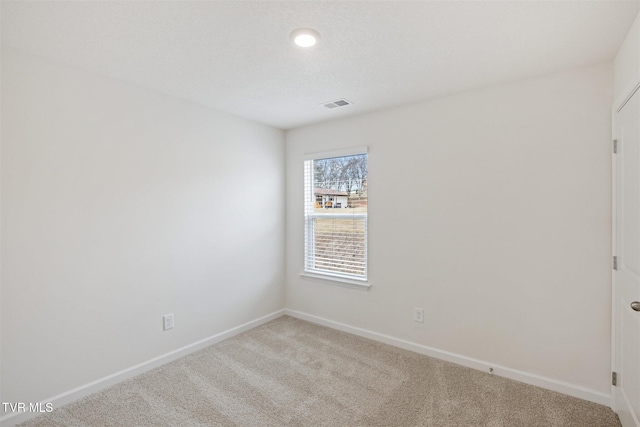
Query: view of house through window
{"type": "Point", "coordinates": [336, 199]}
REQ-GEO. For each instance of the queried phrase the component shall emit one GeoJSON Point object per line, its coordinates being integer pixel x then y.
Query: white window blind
{"type": "Point", "coordinates": [336, 201]}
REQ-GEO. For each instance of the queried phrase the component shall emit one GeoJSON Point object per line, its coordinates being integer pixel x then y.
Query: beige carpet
{"type": "Point", "coordinates": [293, 373]}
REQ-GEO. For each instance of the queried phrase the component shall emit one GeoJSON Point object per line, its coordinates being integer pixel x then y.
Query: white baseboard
{"type": "Point", "coordinates": [514, 374]}
{"type": "Point", "coordinates": [11, 420]}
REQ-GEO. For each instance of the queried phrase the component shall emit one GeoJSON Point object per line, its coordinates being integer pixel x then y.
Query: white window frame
{"type": "Point", "coordinates": [342, 278]}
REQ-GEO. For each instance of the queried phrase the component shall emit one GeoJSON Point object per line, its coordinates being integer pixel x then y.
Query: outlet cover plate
{"type": "Point", "coordinates": [167, 322]}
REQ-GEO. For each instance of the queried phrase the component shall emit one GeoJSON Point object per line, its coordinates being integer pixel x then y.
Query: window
{"type": "Point", "coordinates": [335, 212]}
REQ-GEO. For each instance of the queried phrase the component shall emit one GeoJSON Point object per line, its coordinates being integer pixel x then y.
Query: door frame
{"type": "Point", "coordinates": [617, 106]}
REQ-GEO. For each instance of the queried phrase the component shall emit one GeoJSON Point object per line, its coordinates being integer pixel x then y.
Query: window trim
{"type": "Point", "coordinates": [338, 280]}
{"type": "Point", "coordinates": [360, 282]}
{"type": "Point", "coordinates": [336, 153]}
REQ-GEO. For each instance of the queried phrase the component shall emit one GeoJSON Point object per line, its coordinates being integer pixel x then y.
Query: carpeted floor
{"type": "Point", "coordinates": [293, 373]}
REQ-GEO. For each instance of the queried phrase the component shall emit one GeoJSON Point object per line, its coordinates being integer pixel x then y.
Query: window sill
{"type": "Point", "coordinates": [342, 281]}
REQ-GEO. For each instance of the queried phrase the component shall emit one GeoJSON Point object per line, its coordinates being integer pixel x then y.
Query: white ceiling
{"type": "Point", "coordinates": [236, 56]}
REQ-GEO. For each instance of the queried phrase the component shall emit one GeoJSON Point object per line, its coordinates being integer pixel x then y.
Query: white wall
{"type": "Point", "coordinates": [504, 233]}
{"type": "Point", "coordinates": [114, 213]}
{"type": "Point", "coordinates": [120, 205]}
{"type": "Point", "coordinates": [626, 65]}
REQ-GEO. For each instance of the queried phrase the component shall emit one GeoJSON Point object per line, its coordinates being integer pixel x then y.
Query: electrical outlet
{"type": "Point", "coordinates": [418, 315]}
{"type": "Point", "coordinates": [167, 322]}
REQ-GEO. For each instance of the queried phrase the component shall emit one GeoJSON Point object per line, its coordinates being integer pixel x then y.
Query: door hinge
{"type": "Point", "coordinates": [615, 146]}
{"type": "Point", "coordinates": [615, 262]}
{"type": "Point", "coordinates": [614, 378]}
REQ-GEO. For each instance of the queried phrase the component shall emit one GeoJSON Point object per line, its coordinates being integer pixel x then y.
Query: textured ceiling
{"type": "Point", "coordinates": [236, 56]}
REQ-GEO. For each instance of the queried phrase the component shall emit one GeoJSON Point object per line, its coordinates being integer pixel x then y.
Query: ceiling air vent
{"type": "Point", "coordinates": [337, 103]}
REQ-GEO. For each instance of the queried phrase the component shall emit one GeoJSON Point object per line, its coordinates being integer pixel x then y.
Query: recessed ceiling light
{"type": "Point", "coordinates": [305, 37]}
